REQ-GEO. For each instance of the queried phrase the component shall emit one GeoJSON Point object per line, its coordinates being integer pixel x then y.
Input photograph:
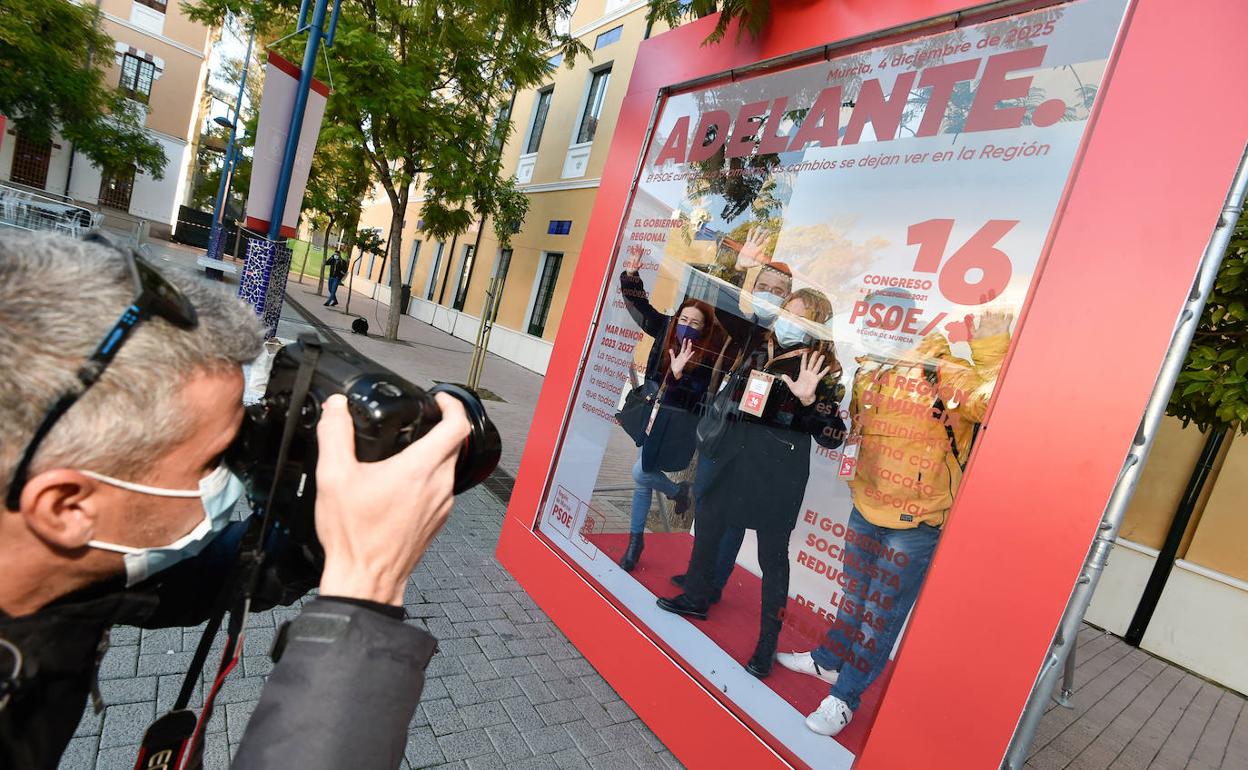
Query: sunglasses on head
{"type": "Point", "coordinates": [154, 296]}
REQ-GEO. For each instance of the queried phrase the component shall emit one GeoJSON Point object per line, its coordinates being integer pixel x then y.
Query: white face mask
{"type": "Point", "coordinates": [766, 306]}
{"type": "Point", "coordinates": [218, 491]}
{"type": "Point", "coordinates": [789, 333]}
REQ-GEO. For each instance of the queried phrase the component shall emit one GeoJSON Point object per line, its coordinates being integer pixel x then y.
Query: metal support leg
{"type": "Point", "coordinates": [1068, 681]}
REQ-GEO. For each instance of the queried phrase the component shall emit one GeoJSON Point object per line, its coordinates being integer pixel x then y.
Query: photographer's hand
{"type": "Point", "coordinates": [375, 520]}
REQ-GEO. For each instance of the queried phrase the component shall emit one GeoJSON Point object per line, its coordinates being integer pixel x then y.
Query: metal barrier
{"type": "Point", "coordinates": [26, 210]}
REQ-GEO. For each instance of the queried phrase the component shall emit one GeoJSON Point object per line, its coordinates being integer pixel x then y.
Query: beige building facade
{"type": "Point", "coordinates": [161, 63]}
{"type": "Point", "coordinates": [561, 133]}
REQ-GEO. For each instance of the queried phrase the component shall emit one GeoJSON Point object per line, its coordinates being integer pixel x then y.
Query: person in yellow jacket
{"type": "Point", "coordinates": [914, 418]}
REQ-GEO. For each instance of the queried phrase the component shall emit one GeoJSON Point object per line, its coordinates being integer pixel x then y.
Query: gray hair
{"type": "Point", "coordinates": [58, 298]}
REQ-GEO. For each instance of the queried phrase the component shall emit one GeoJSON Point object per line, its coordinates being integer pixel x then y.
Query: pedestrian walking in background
{"type": "Point", "coordinates": [337, 267]}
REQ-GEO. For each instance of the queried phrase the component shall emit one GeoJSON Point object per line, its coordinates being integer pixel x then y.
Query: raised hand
{"type": "Point", "coordinates": [632, 260]}
{"type": "Point", "coordinates": [809, 375]}
{"type": "Point", "coordinates": [680, 359]}
{"type": "Point", "coordinates": [754, 250]}
{"type": "Point", "coordinates": [992, 323]}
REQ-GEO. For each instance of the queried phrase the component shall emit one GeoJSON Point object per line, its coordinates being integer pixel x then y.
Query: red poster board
{"type": "Point", "coordinates": [1137, 207]}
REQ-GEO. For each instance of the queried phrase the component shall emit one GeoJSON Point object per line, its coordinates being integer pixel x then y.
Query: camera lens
{"type": "Point", "coordinates": [481, 452]}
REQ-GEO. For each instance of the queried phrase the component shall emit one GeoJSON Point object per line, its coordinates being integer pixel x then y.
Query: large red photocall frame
{"type": "Point", "coordinates": [1138, 208]}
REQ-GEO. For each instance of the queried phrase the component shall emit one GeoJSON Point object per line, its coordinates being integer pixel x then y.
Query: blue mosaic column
{"type": "Point", "coordinates": [263, 283]}
{"type": "Point", "coordinates": [216, 242]}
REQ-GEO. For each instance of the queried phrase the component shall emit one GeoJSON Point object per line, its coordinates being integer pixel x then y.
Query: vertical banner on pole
{"type": "Point", "coordinates": [264, 279]}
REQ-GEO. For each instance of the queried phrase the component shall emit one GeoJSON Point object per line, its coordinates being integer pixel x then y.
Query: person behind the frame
{"type": "Point", "coordinates": [915, 415]}
{"type": "Point", "coordinates": [772, 284]}
{"type": "Point", "coordinates": [122, 515]}
{"type": "Point", "coordinates": [755, 477]}
{"type": "Point", "coordinates": [686, 345]}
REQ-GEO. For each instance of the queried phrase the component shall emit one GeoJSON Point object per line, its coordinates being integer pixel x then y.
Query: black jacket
{"type": "Point", "coordinates": [757, 476]}
{"type": "Point", "coordinates": [673, 437]}
{"type": "Point", "coordinates": [337, 267]}
{"type": "Point", "coordinates": [364, 679]}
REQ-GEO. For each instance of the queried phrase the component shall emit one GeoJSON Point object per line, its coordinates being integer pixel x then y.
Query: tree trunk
{"type": "Point", "coordinates": [396, 274]}
{"type": "Point", "coordinates": [320, 280]}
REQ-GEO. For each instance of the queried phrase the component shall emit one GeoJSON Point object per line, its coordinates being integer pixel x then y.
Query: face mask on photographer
{"type": "Point", "coordinates": [218, 491]}
{"type": "Point", "coordinates": [789, 333]}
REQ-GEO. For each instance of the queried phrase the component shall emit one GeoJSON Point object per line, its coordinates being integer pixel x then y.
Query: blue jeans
{"type": "Point", "coordinates": [647, 483]}
{"type": "Point", "coordinates": [871, 615]}
{"type": "Point", "coordinates": [334, 283]}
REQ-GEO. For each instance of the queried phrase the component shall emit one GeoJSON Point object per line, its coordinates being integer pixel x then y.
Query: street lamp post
{"type": "Point", "coordinates": [268, 263]}
{"type": "Point", "coordinates": [215, 237]}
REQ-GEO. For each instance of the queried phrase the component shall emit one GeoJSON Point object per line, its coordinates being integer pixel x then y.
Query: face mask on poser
{"type": "Point", "coordinates": [789, 333]}
{"type": "Point", "coordinates": [765, 307]}
{"type": "Point", "coordinates": [687, 332]}
{"type": "Point", "coordinates": [218, 491]}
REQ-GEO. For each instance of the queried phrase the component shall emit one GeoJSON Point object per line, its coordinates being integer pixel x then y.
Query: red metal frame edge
{"type": "Point", "coordinates": [944, 703]}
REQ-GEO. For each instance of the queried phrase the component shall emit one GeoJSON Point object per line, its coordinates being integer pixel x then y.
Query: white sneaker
{"type": "Point", "coordinates": [831, 716]}
{"type": "Point", "coordinates": [804, 663]}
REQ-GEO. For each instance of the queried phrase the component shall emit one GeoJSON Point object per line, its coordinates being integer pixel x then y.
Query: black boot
{"type": "Point", "coordinates": [682, 605]}
{"type": "Point", "coordinates": [765, 651]}
{"type": "Point", "coordinates": [633, 553]}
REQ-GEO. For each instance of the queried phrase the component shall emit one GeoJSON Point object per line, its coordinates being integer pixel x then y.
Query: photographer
{"type": "Point", "coordinates": [117, 507]}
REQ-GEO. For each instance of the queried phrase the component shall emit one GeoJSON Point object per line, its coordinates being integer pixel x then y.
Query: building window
{"type": "Point", "coordinates": [30, 162]}
{"type": "Point", "coordinates": [158, 5]}
{"type": "Point", "coordinates": [539, 119]}
{"type": "Point", "coordinates": [433, 272]}
{"type": "Point", "coordinates": [465, 275]}
{"type": "Point", "coordinates": [593, 106]}
{"type": "Point", "coordinates": [545, 294]}
{"type": "Point", "coordinates": [116, 189]}
{"type": "Point", "coordinates": [136, 77]}
{"type": "Point", "coordinates": [411, 262]}
{"type": "Point", "coordinates": [553, 62]}
{"type": "Point", "coordinates": [608, 37]}
{"type": "Point", "coordinates": [559, 227]}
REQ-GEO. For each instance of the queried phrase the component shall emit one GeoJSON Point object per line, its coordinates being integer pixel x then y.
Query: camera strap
{"type": "Point", "coordinates": [175, 741]}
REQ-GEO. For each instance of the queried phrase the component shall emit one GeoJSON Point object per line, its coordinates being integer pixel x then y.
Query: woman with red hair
{"type": "Point", "coordinates": [678, 372]}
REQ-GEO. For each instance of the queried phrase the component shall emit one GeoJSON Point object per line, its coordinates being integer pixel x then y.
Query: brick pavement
{"type": "Point", "coordinates": [508, 690]}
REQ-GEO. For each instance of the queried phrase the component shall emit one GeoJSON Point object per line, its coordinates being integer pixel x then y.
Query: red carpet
{"type": "Point", "coordinates": [733, 625]}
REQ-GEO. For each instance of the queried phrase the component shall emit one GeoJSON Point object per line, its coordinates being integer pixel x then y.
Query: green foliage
{"type": "Point", "coordinates": [54, 59]}
{"type": "Point", "coordinates": [752, 15]}
{"type": "Point", "coordinates": [369, 241]}
{"type": "Point", "coordinates": [510, 207]}
{"type": "Point", "coordinates": [419, 85]}
{"type": "Point", "coordinates": [1212, 389]}
{"type": "Point", "coordinates": [339, 178]}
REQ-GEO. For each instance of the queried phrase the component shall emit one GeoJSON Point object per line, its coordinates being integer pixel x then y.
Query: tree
{"type": "Point", "coordinates": [339, 178]}
{"type": "Point", "coordinates": [1212, 388]}
{"type": "Point", "coordinates": [54, 58]}
{"type": "Point", "coordinates": [420, 84]}
{"type": "Point", "coordinates": [753, 15]}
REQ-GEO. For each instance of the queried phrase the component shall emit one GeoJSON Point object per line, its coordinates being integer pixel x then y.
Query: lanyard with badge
{"type": "Point", "coordinates": [759, 383]}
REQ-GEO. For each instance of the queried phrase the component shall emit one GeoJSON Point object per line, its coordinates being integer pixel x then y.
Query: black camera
{"type": "Point", "coordinates": [389, 413]}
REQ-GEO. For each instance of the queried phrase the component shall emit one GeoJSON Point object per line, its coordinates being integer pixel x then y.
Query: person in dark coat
{"type": "Point", "coordinates": [756, 476]}
{"type": "Point", "coordinates": [679, 370]}
{"type": "Point", "coordinates": [117, 509]}
{"type": "Point", "coordinates": [337, 268]}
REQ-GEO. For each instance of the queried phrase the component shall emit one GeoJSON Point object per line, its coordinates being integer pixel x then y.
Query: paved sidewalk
{"type": "Point", "coordinates": [508, 690]}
